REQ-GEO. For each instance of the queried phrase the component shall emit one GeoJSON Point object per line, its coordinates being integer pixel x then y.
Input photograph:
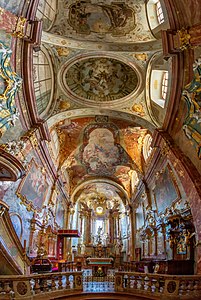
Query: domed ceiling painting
{"type": "Point", "coordinates": [101, 79]}
{"type": "Point", "coordinates": [107, 20]}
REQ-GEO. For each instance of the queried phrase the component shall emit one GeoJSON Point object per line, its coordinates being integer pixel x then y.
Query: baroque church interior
{"type": "Point", "coordinates": [100, 148]}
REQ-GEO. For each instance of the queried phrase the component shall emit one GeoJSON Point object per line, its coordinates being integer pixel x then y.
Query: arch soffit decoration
{"type": "Point", "coordinates": [90, 112]}
{"type": "Point", "coordinates": [122, 193]}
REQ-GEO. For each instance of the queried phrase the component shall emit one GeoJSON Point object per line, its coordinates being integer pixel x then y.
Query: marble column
{"type": "Point", "coordinates": [133, 233]}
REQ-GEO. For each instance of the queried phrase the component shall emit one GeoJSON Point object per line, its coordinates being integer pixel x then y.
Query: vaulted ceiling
{"type": "Point", "coordinates": [100, 55]}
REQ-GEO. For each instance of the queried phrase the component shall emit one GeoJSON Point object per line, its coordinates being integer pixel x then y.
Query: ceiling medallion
{"type": "Point", "coordinates": [99, 80]}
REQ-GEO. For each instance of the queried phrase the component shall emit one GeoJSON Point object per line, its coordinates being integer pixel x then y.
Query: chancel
{"type": "Point", "coordinates": [100, 149]}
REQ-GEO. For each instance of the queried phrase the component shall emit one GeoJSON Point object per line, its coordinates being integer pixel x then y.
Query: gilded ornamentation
{"type": "Point", "coordinates": [9, 84]}
{"type": "Point", "coordinates": [32, 137]}
{"type": "Point", "coordinates": [141, 56]}
{"type": "Point", "coordinates": [184, 38]}
{"type": "Point", "coordinates": [14, 147]}
{"type": "Point", "coordinates": [20, 27]}
{"type": "Point", "coordinates": [138, 109]}
{"type": "Point", "coordinates": [165, 150]}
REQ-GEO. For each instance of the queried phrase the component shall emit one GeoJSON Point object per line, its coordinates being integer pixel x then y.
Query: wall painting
{"type": "Point", "coordinates": [34, 187]}
{"type": "Point", "coordinates": [60, 213]}
{"type": "Point", "coordinates": [166, 191]}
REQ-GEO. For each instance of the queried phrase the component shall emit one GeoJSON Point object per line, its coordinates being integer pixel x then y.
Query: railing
{"type": "Point", "coordinates": [159, 286]}
{"type": "Point", "coordinates": [36, 286]}
{"type": "Point", "coordinates": [55, 285]}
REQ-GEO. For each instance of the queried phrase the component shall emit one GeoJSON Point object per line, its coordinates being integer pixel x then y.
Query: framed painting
{"type": "Point", "coordinates": [34, 187]}
{"type": "Point", "coordinates": [166, 190]}
{"type": "Point", "coordinates": [60, 213]}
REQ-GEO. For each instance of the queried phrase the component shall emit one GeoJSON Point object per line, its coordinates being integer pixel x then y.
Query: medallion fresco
{"type": "Point", "coordinates": [115, 18]}
{"type": "Point", "coordinates": [101, 79]}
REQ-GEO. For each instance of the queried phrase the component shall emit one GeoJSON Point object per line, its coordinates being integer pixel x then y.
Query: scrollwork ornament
{"type": "Point", "coordinates": [22, 288]}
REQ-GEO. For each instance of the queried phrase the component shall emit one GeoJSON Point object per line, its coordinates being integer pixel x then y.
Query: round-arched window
{"type": "Point", "coordinates": [47, 12]}
{"type": "Point", "coordinates": [43, 80]}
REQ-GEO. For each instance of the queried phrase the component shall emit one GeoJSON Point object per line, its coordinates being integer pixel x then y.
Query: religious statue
{"type": "Point", "coordinates": [99, 230]}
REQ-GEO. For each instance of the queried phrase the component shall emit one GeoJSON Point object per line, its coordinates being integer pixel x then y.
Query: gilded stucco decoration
{"type": "Point", "coordinates": [101, 79]}
{"type": "Point", "coordinates": [9, 84]}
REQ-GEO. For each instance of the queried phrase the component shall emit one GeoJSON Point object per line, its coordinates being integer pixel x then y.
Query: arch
{"type": "Point", "coordinates": [79, 188]}
{"type": "Point", "coordinates": [76, 113]}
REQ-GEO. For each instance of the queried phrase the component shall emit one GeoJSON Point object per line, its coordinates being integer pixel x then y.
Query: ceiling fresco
{"type": "Point", "coordinates": [99, 21]}
{"type": "Point", "coordinates": [116, 18]}
{"type": "Point", "coordinates": [101, 79]}
{"type": "Point", "coordinates": [100, 147]}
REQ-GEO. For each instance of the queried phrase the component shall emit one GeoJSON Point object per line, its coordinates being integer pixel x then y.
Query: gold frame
{"type": "Point", "coordinates": [30, 205]}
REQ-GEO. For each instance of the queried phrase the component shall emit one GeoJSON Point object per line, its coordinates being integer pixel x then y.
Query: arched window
{"type": "Point", "coordinates": [159, 12]}
{"type": "Point", "coordinates": [164, 85]}
{"type": "Point", "coordinates": [43, 80]}
{"type": "Point", "coordinates": [159, 87]}
{"type": "Point", "coordinates": [47, 12]}
{"type": "Point", "coordinates": [156, 15]}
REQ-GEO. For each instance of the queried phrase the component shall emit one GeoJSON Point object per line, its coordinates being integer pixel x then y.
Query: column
{"type": "Point", "coordinates": [111, 227]}
{"type": "Point", "coordinates": [133, 233]}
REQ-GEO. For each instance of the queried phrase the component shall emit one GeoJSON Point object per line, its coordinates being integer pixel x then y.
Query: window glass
{"type": "Point", "coordinates": [46, 12]}
{"type": "Point", "coordinates": [159, 12]}
{"type": "Point", "coordinates": [42, 80]}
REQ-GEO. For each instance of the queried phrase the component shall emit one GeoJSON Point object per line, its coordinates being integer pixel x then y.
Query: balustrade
{"type": "Point", "coordinates": [158, 285]}
{"type": "Point", "coordinates": [39, 284]}
{"type": "Point", "coordinates": [49, 285]}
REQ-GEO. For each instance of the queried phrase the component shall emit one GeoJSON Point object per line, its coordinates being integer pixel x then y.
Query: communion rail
{"type": "Point", "coordinates": [159, 286]}
{"type": "Point", "coordinates": [58, 285]}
